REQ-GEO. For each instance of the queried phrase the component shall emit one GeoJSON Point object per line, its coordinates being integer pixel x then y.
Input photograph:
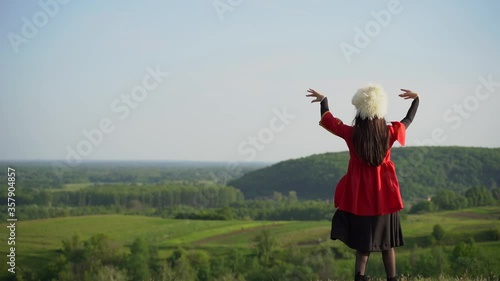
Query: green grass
{"type": "Point", "coordinates": [38, 241]}
{"type": "Point", "coordinates": [465, 219]}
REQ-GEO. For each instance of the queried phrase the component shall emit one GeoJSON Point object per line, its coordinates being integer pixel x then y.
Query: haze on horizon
{"type": "Point", "coordinates": [221, 80]}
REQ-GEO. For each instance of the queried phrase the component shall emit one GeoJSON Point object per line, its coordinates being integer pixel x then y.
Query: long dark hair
{"type": "Point", "coordinates": [371, 140]}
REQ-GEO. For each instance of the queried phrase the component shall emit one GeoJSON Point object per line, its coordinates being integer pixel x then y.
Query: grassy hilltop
{"type": "Point", "coordinates": [39, 241]}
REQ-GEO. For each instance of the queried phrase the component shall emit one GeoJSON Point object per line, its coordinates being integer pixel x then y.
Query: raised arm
{"type": "Point", "coordinates": [328, 121]}
{"type": "Point", "coordinates": [319, 98]}
{"type": "Point", "coordinates": [413, 108]}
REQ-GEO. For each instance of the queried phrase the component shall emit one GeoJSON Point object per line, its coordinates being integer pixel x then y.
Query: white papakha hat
{"type": "Point", "coordinates": [370, 102]}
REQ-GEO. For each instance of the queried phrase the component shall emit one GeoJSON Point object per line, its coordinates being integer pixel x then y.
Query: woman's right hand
{"type": "Point", "coordinates": [408, 94]}
{"type": "Point", "coordinates": [319, 97]}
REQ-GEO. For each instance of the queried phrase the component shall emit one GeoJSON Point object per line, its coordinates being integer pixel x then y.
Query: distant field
{"type": "Point", "coordinates": [79, 186]}
{"type": "Point", "coordinates": [70, 187]}
{"type": "Point", "coordinates": [38, 240]}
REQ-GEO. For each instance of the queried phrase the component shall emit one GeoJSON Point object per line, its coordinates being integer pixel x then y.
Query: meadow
{"type": "Point", "coordinates": [39, 241]}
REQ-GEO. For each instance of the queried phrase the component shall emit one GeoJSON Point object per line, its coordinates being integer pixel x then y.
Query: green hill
{"type": "Point", "coordinates": [422, 171]}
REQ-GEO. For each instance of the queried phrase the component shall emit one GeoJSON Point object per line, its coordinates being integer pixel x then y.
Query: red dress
{"type": "Point", "coordinates": [367, 190]}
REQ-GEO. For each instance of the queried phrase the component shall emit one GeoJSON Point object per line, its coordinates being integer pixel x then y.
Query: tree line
{"type": "Point", "coordinates": [450, 200]}
{"type": "Point", "coordinates": [209, 203]}
{"type": "Point", "coordinates": [133, 196]}
{"type": "Point", "coordinates": [53, 175]}
{"type": "Point", "coordinates": [180, 201]}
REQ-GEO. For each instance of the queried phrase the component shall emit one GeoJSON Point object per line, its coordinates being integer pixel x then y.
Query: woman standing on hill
{"type": "Point", "coordinates": [367, 198]}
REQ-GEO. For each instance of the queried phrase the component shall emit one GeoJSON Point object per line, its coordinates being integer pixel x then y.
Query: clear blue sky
{"type": "Point", "coordinates": [231, 69]}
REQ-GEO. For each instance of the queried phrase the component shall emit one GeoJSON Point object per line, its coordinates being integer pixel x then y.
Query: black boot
{"type": "Point", "coordinates": [395, 278]}
{"type": "Point", "coordinates": [360, 277]}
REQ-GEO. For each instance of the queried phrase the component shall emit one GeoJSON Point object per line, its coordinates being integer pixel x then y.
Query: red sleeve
{"type": "Point", "coordinates": [398, 132]}
{"type": "Point", "coordinates": [334, 125]}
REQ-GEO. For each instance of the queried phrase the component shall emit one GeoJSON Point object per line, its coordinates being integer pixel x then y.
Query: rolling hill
{"type": "Point", "coordinates": [422, 171]}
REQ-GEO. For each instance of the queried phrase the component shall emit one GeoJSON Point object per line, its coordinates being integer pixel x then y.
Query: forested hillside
{"type": "Point", "coordinates": [422, 172]}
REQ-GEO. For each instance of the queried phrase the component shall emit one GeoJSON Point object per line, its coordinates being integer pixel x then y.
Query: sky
{"type": "Point", "coordinates": [226, 80]}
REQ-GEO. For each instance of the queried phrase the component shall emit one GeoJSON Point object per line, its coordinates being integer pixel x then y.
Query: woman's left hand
{"type": "Point", "coordinates": [319, 97]}
{"type": "Point", "coordinates": [408, 94]}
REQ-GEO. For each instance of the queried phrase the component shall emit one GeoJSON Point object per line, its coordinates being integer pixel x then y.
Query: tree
{"type": "Point", "coordinates": [265, 245]}
{"type": "Point", "coordinates": [464, 259]}
{"type": "Point", "coordinates": [277, 196]}
{"type": "Point", "coordinates": [479, 196]}
{"type": "Point", "coordinates": [110, 273]}
{"type": "Point", "coordinates": [449, 200]}
{"type": "Point", "coordinates": [95, 259]}
{"type": "Point", "coordinates": [137, 262]}
{"type": "Point", "coordinates": [200, 261]}
{"type": "Point", "coordinates": [429, 264]}
{"type": "Point", "coordinates": [180, 265]}
{"type": "Point", "coordinates": [441, 260]}
{"type": "Point", "coordinates": [321, 260]}
{"type": "Point", "coordinates": [73, 249]}
{"type": "Point", "coordinates": [423, 207]}
{"type": "Point", "coordinates": [101, 250]}
{"type": "Point", "coordinates": [438, 232]}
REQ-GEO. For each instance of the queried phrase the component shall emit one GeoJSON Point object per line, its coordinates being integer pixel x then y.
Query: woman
{"type": "Point", "coordinates": [367, 198]}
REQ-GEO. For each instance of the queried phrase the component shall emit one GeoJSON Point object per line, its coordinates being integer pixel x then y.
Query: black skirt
{"type": "Point", "coordinates": [367, 233]}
